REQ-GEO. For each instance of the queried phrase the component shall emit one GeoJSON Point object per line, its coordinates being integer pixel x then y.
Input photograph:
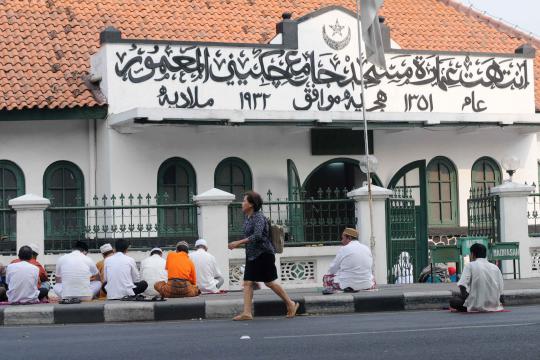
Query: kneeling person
{"type": "Point", "coordinates": [182, 280]}
{"type": "Point", "coordinates": [74, 275]}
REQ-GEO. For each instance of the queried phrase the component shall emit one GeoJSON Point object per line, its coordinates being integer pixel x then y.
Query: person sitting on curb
{"type": "Point", "coordinates": [480, 285]}
{"type": "Point", "coordinates": [106, 250]}
{"type": "Point", "coordinates": [122, 278]}
{"type": "Point", "coordinates": [22, 280]}
{"type": "Point", "coordinates": [43, 277]}
{"type": "Point", "coordinates": [351, 269]}
{"type": "Point", "coordinates": [73, 276]}
{"type": "Point", "coordinates": [209, 278]}
{"type": "Point", "coordinates": [153, 270]}
{"type": "Point", "coordinates": [182, 276]}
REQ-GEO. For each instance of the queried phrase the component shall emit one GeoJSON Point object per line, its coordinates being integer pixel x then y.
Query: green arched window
{"type": "Point", "coordinates": [485, 173]}
{"type": "Point", "coordinates": [63, 185]}
{"type": "Point", "coordinates": [176, 185]}
{"type": "Point", "coordinates": [234, 176]}
{"type": "Point", "coordinates": [442, 193]}
{"type": "Point", "coordinates": [11, 186]}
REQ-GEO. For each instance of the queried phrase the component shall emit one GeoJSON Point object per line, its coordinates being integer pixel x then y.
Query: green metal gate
{"type": "Point", "coordinates": [406, 223]}
{"type": "Point", "coordinates": [402, 245]}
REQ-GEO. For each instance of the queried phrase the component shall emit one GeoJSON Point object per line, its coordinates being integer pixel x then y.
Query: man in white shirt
{"type": "Point", "coordinates": [153, 270]}
{"type": "Point", "coordinates": [351, 269]}
{"type": "Point", "coordinates": [209, 278]}
{"type": "Point", "coordinates": [73, 275]}
{"type": "Point", "coordinates": [121, 274]}
{"type": "Point", "coordinates": [480, 285]}
{"type": "Point", "coordinates": [22, 280]}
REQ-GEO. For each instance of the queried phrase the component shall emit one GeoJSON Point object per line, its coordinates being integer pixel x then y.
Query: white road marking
{"type": "Point", "coordinates": [245, 337]}
{"type": "Point", "coordinates": [399, 331]}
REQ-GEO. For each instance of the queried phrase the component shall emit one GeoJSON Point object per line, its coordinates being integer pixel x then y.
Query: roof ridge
{"type": "Point", "coordinates": [496, 24]}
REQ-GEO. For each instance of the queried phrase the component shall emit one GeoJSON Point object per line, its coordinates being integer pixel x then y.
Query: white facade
{"type": "Point", "coordinates": [121, 155]}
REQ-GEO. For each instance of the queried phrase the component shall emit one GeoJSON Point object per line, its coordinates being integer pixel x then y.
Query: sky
{"type": "Point", "coordinates": [524, 13]}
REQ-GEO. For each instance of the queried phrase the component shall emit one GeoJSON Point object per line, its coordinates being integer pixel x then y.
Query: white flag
{"type": "Point", "coordinates": [371, 32]}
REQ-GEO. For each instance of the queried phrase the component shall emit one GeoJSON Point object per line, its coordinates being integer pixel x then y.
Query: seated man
{"type": "Point", "coordinates": [121, 274]}
{"type": "Point", "coordinates": [209, 278]}
{"type": "Point", "coordinates": [73, 275]}
{"type": "Point", "coordinates": [182, 276]}
{"type": "Point", "coordinates": [153, 270]}
{"type": "Point", "coordinates": [22, 279]}
{"type": "Point", "coordinates": [480, 285]}
{"type": "Point", "coordinates": [43, 277]}
{"type": "Point", "coordinates": [106, 250]}
{"type": "Point", "coordinates": [351, 269]}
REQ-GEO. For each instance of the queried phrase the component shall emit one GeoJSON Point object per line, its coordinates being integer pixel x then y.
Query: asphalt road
{"type": "Point", "coordinates": [400, 335]}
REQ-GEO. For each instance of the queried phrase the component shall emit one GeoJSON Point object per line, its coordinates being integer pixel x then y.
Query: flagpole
{"type": "Point", "coordinates": [366, 139]}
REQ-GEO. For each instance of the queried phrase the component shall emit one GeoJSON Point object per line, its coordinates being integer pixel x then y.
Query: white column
{"type": "Point", "coordinates": [378, 195]}
{"type": "Point", "coordinates": [513, 222]}
{"type": "Point", "coordinates": [213, 226]}
{"type": "Point", "coordinates": [30, 219]}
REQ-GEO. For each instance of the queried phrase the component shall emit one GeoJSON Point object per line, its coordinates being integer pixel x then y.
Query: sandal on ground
{"type": "Point", "coordinates": [128, 298]}
{"type": "Point", "coordinates": [292, 313]}
{"type": "Point", "coordinates": [68, 301]}
{"type": "Point", "coordinates": [242, 317]}
{"type": "Point", "coordinates": [158, 298]}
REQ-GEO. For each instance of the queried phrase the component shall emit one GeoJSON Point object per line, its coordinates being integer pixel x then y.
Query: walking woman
{"type": "Point", "coordinates": [260, 259]}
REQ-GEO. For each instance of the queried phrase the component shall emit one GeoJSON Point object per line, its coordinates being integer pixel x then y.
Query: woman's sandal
{"type": "Point", "coordinates": [242, 317]}
{"type": "Point", "coordinates": [292, 313]}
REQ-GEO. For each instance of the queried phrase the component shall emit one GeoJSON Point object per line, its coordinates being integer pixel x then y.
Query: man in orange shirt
{"type": "Point", "coordinates": [182, 280]}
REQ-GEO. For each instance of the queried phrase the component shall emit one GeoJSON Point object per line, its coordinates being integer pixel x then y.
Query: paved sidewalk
{"type": "Point", "coordinates": [386, 298]}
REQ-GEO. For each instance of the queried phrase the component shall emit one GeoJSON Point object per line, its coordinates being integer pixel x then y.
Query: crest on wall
{"type": "Point", "coordinates": [335, 38]}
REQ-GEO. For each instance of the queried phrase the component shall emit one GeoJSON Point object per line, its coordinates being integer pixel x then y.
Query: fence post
{"type": "Point", "coordinates": [30, 219]}
{"type": "Point", "coordinates": [214, 226]}
{"type": "Point", "coordinates": [514, 223]}
{"type": "Point", "coordinates": [379, 196]}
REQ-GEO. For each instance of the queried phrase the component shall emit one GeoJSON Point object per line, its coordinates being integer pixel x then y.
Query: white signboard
{"type": "Point", "coordinates": [322, 75]}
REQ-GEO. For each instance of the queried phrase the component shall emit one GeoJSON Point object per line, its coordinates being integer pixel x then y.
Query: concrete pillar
{"type": "Point", "coordinates": [213, 223]}
{"type": "Point", "coordinates": [378, 243]}
{"type": "Point", "coordinates": [514, 223]}
{"type": "Point", "coordinates": [30, 219]}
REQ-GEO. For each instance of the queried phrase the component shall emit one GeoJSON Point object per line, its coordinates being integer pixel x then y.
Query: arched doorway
{"type": "Point", "coordinates": [330, 211]}
{"type": "Point", "coordinates": [406, 227]}
{"type": "Point", "coordinates": [335, 178]}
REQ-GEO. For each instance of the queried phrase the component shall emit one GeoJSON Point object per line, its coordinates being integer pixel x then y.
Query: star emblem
{"type": "Point", "coordinates": [336, 28]}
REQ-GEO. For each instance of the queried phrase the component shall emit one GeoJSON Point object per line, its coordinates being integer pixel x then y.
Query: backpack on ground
{"type": "Point", "coordinates": [277, 236]}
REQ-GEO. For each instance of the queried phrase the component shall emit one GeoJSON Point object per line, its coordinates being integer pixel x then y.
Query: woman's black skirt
{"type": "Point", "coordinates": [261, 269]}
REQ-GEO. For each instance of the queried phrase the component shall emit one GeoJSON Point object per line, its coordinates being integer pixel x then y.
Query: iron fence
{"type": "Point", "coordinates": [483, 214]}
{"type": "Point", "coordinates": [308, 221]}
{"type": "Point", "coordinates": [533, 216]}
{"type": "Point", "coordinates": [8, 229]}
{"type": "Point", "coordinates": [147, 221]}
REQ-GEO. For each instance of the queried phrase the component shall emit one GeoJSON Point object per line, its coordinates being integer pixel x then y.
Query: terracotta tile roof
{"type": "Point", "coordinates": [46, 45]}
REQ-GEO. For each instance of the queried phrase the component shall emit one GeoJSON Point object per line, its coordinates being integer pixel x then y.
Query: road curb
{"type": "Point", "coordinates": [329, 304]}
{"type": "Point", "coordinates": [79, 314]}
{"type": "Point", "coordinates": [29, 315]}
{"type": "Point", "coordinates": [521, 297]}
{"type": "Point", "coordinates": [432, 300]}
{"type": "Point", "coordinates": [372, 303]}
{"type": "Point", "coordinates": [215, 308]}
